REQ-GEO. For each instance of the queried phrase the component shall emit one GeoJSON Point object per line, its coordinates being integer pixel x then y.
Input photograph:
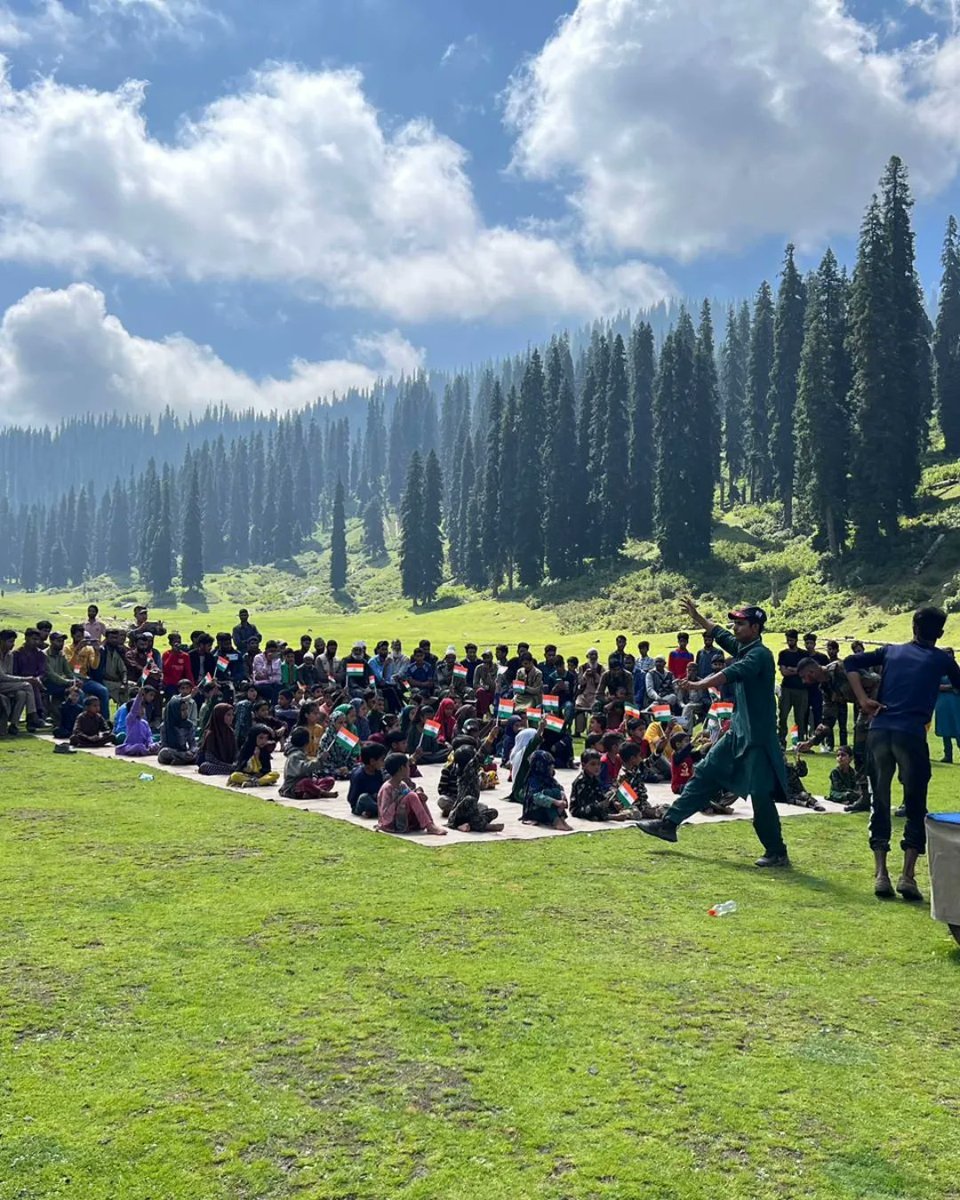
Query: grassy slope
{"type": "Point", "coordinates": [205, 996]}
{"type": "Point", "coordinates": [753, 559]}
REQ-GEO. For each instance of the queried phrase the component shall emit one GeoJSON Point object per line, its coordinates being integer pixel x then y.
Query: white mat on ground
{"type": "Point", "coordinates": [509, 813]}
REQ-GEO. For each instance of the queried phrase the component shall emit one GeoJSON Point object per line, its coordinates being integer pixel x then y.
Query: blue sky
{"type": "Point", "coordinates": [304, 194]}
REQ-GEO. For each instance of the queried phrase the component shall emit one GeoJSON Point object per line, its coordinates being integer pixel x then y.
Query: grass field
{"type": "Point", "coordinates": [204, 996]}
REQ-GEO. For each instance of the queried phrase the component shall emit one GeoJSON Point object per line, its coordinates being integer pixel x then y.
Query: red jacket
{"type": "Point", "coordinates": [176, 666]}
{"type": "Point", "coordinates": [681, 768]}
{"type": "Point", "coordinates": [677, 663]}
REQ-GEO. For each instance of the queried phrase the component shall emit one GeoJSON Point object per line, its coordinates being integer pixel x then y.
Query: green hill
{"type": "Point", "coordinates": [753, 559]}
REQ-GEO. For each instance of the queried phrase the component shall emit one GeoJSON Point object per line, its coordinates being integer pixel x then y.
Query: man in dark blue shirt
{"type": "Point", "coordinates": [909, 686]}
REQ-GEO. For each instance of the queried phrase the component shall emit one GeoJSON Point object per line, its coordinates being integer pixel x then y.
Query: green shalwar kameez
{"type": "Point", "coordinates": [747, 760]}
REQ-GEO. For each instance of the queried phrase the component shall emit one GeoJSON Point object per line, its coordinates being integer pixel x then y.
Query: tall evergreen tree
{"type": "Point", "coordinates": [473, 569]}
{"type": "Point", "coordinates": [787, 345]}
{"type": "Point", "coordinates": [525, 486]}
{"type": "Point", "coordinates": [561, 499]}
{"type": "Point", "coordinates": [822, 416]}
{"type": "Point", "coordinates": [703, 476]}
{"type": "Point", "coordinates": [873, 499]}
{"type": "Point", "coordinates": [338, 541]}
{"type": "Point", "coordinates": [432, 552]}
{"type": "Point", "coordinates": [160, 567]}
{"type": "Point", "coordinates": [411, 531]}
{"type": "Point", "coordinates": [283, 530]}
{"type": "Point", "coordinates": [910, 381]}
{"type": "Point", "coordinates": [191, 538]}
{"type": "Point", "coordinates": [759, 370]}
{"type": "Point", "coordinates": [946, 342]}
{"type": "Point", "coordinates": [613, 500]}
{"type": "Point", "coordinates": [679, 532]}
{"type": "Point", "coordinates": [373, 541]}
{"type": "Point", "coordinates": [79, 545]}
{"type": "Point", "coordinates": [491, 549]}
{"type": "Point", "coordinates": [733, 391]}
{"type": "Point", "coordinates": [239, 523]}
{"type": "Point", "coordinates": [643, 368]}
{"type": "Point", "coordinates": [509, 466]}
{"type": "Point", "coordinates": [29, 557]}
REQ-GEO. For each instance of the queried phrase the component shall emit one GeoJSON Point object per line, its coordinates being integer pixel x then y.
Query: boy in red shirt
{"type": "Point", "coordinates": [176, 666]}
{"type": "Point", "coordinates": [685, 758]}
{"type": "Point", "coordinates": [677, 662]}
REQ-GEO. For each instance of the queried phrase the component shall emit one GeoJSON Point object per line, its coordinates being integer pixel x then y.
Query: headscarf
{"type": "Point", "coordinates": [538, 778]}
{"type": "Point", "coordinates": [363, 725]}
{"type": "Point", "coordinates": [250, 749]}
{"type": "Point", "coordinates": [465, 713]}
{"type": "Point", "coordinates": [447, 719]}
{"type": "Point", "coordinates": [522, 740]}
{"type": "Point", "coordinates": [219, 742]}
{"type": "Point", "coordinates": [177, 726]}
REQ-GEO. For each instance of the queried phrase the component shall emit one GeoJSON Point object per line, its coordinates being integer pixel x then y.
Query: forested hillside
{"type": "Point", "coordinates": [802, 455]}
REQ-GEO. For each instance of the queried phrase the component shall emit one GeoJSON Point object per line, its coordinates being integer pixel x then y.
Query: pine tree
{"type": "Point", "coordinates": [117, 549]}
{"type": "Point", "coordinates": [733, 391]}
{"type": "Point", "coordinates": [678, 533]}
{"type": "Point", "coordinates": [643, 369]}
{"type": "Point", "coordinates": [491, 549]}
{"type": "Point", "coordinates": [373, 541]}
{"type": "Point", "coordinates": [283, 530]}
{"type": "Point", "coordinates": [759, 370]}
{"type": "Point", "coordinates": [160, 568]}
{"type": "Point", "coordinates": [703, 474]}
{"type": "Point", "coordinates": [873, 500]}
{"type": "Point", "coordinates": [616, 441]}
{"type": "Point", "coordinates": [464, 489]}
{"type": "Point", "coordinates": [338, 541]}
{"type": "Point", "coordinates": [239, 523]}
{"type": "Point", "coordinates": [59, 566]}
{"type": "Point", "coordinates": [191, 540]}
{"type": "Point", "coordinates": [787, 343]}
{"type": "Point", "coordinates": [910, 381]}
{"type": "Point", "coordinates": [79, 545]}
{"type": "Point", "coordinates": [29, 559]}
{"type": "Point", "coordinates": [525, 485]}
{"type": "Point", "coordinates": [454, 466]}
{"type": "Point", "coordinates": [946, 343]}
{"type": "Point", "coordinates": [822, 416]}
{"type": "Point", "coordinates": [473, 570]}
{"type": "Point", "coordinates": [586, 529]}
{"type": "Point", "coordinates": [509, 467]}
{"type": "Point", "coordinates": [411, 530]}
{"type": "Point", "coordinates": [562, 501]}
{"type": "Point", "coordinates": [432, 552]}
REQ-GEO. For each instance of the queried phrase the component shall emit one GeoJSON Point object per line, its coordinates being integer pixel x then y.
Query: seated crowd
{"type": "Point", "coordinates": [261, 712]}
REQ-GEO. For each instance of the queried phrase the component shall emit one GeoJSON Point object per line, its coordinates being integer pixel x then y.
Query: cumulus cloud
{"type": "Point", "coordinates": [101, 22]}
{"type": "Point", "coordinates": [61, 353]}
{"type": "Point", "coordinates": [294, 179]}
{"type": "Point", "coordinates": [685, 127]}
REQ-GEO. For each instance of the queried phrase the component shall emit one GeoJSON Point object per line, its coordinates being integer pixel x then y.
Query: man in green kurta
{"type": "Point", "coordinates": [747, 760]}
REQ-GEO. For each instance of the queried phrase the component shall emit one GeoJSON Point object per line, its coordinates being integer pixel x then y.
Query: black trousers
{"type": "Point", "coordinates": [887, 751]}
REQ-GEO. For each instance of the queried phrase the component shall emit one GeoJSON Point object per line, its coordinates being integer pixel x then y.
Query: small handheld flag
{"type": "Point", "coordinates": [715, 693]}
{"type": "Point", "coordinates": [505, 707]}
{"type": "Point", "coordinates": [519, 685]}
{"type": "Point", "coordinates": [627, 795]}
{"type": "Point", "coordinates": [554, 724]}
{"type": "Point", "coordinates": [551, 703]}
{"type": "Point", "coordinates": [145, 676]}
{"type": "Point", "coordinates": [534, 715]}
{"type": "Point", "coordinates": [661, 713]}
{"type": "Point", "coordinates": [460, 671]}
{"type": "Point", "coordinates": [431, 729]}
{"type": "Point", "coordinates": [356, 670]}
{"type": "Point", "coordinates": [794, 737]}
{"type": "Point", "coordinates": [222, 662]}
{"type": "Point", "coordinates": [631, 711]}
{"type": "Point", "coordinates": [208, 678]}
{"type": "Point", "coordinates": [348, 739]}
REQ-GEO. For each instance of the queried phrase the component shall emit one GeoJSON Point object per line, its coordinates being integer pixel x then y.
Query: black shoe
{"type": "Point", "coordinates": [908, 890]}
{"type": "Point", "coordinates": [63, 748]}
{"type": "Point", "coordinates": [901, 811]}
{"type": "Point", "coordinates": [13, 730]}
{"type": "Point", "coordinates": [773, 860]}
{"type": "Point", "coordinates": [36, 726]}
{"type": "Point", "coordinates": [857, 806]}
{"type": "Point", "coordinates": [657, 827]}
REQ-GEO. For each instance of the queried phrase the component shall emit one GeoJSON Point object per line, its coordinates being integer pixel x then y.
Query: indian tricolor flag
{"type": "Point", "coordinates": [714, 693]}
{"type": "Point", "coordinates": [721, 709]}
{"type": "Point", "coordinates": [519, 685]}
{"type": "Point", "coordinates": [794, 737]}
{"type": "Point", "coordinates": [460, 672]}
{"type": "Point", "coordinates": [145, 676]}
{"type": "Point", "coordinates": [534, 715]}
{"type": "Point", "coordinates": [348, 740]}
{"type": "Point", "coordinates": [551, 703]}
{"type": "Point", "coordinates": [627, 795]}
{"type": "Point", "coordinates": [431, 729]}
{"type": "Point", "coordinates": [661, 713]}
{"type": "Point", "coordinates": [356, 670]}
{"type": "Point", "coordinates": [555, 724]}
{"type": "Point", "coordinates": [505, 707]}
{"type": "Point", "coordinates": [222, 662]}
{"type": "Point", "coordinates": [630, 711]}
{"type": "Point", "coordinates": [208, 678]}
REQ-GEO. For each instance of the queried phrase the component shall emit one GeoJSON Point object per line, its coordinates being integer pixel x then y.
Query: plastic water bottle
{"type": "Point", "coordinates": [722, 910]}
{"type": "Point", "coordinates": [145, 777]}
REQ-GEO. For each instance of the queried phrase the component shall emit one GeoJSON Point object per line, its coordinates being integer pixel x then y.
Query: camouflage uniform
{"type": "Point", "coordinates": [844, 786]}
{"type": "Point", "coordinates": [589, 801]}
{"type": "Point", "coordinates": [836, 692]}
{"type": "Point", "coordinates": [467, 809]}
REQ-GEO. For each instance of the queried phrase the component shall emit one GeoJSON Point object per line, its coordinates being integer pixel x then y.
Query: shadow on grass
{"type": "Point", "coordinates": [196, 599]}
{"type": "Point", "coordinates": [793, 876]}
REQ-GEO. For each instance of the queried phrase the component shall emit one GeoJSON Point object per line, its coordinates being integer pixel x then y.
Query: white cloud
{"type": "Point", "coordinates": [687, 127]}
{"type": "Point", "coordinates": [947, 11]}
{"type": "Point", "coordinates": [61, 353]}
{"type": "Point", "coordinates": [466, 54]}
{"type": "Point", "coordinates": [46, 21]}
{"type": "Point", "coordinates": [100, 23]}
{"type": "Point", "coordinates": [294, 179]}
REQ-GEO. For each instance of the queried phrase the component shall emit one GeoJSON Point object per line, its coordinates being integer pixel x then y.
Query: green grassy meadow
{"type": "Point", "coordinates": [204, 996]}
